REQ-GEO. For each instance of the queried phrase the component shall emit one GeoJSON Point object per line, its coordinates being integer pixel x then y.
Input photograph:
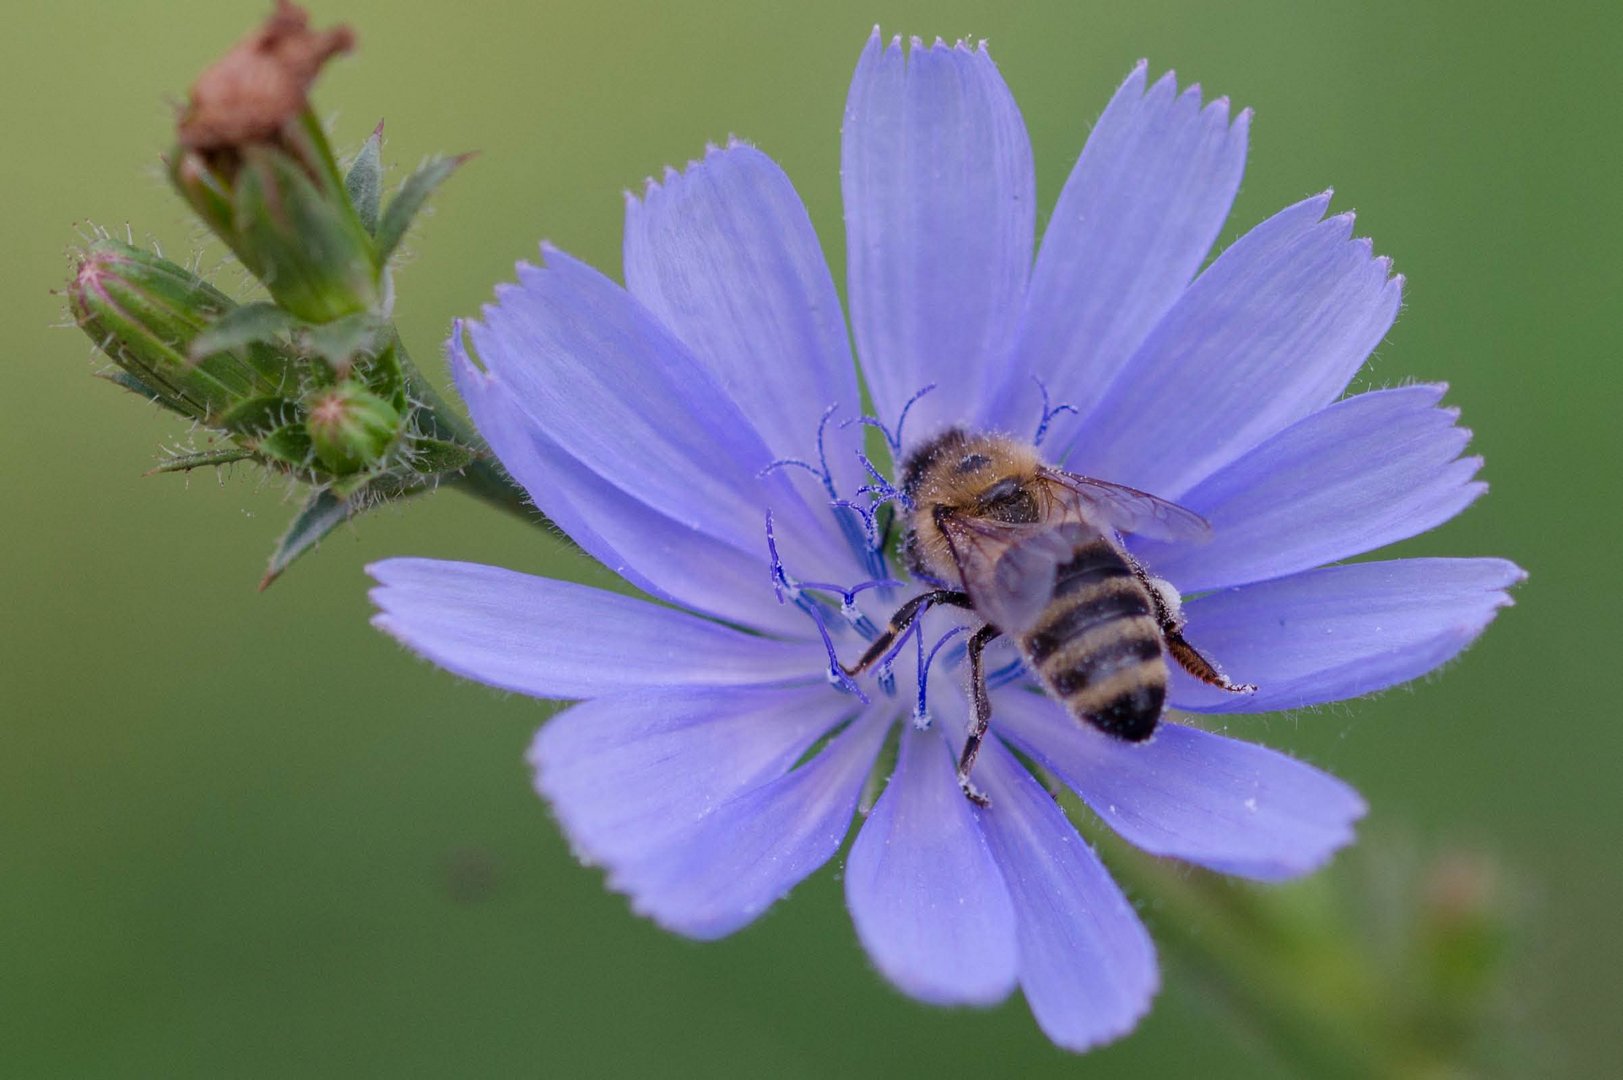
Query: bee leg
{"type": "Point", "coordinates": [899, 623]}
{"type": "Point", "coordinates": [1200, 667]}
{"type": "Point", "coordinates": [983, 713]}
{"type": "Point", "coordinates": [1170, 617]}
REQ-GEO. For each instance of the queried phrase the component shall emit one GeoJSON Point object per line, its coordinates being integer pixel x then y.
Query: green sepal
{"type": "Point", "coordinates": [146, 312]}
{"type": "Point", "coordinates": [364, 181]}
{"type": "Point", "coordinates": [347, 487]}
{"type": "Point", "coordinates": [250, 324]}
{"type": "Point", "coordinates": [136, 386]}
{"type": "Point", "coordinates": [289, 445]}
{"type": "Point", "coordinates": [306, 245]}
{"type": "Point", "coordinates": [321, 514]}
{"type": "Point", "coordinates": [259, 416]}
{"type": "Point", "coordinates": [205, 190]}
{"type": "Point", "coordinates": [201, 459]}
{"type": "Point", "coordinates": [341, 342]}
{"type": "Point", "coordinates": [409, 201]}
{"type": "Point", "coordinates": [432, 457]}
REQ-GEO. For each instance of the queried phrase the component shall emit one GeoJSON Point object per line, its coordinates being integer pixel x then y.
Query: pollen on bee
{"type": "Point", "coordinates": [1171, 600]}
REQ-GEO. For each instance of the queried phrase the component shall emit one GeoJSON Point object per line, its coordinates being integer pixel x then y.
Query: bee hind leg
{"type": "Point", "coordinates": [983, 713]}
{"type": "Point", "coordinates": [1200, 667]}
{"type": "Point", "coordinates": [1169, 614]}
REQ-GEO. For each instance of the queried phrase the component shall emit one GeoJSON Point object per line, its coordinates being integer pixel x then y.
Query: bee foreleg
{"type": "Point", "coordinates": [900, 621]}
{"type": "Point", "coordinates": [983, 712]}
{"type": "Point", "coordinates": [1169, 614]}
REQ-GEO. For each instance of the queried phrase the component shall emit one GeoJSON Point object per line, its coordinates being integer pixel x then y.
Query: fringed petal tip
{"type": "Point", "coordinates": [904, 46]}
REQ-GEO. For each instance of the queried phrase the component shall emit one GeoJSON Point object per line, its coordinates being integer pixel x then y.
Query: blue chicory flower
{"type": "Point", "coordinates": [693, 431]}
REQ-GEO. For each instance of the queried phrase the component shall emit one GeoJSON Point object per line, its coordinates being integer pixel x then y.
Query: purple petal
{"type": "Point", "coordinates": [1086, 963]}
{"type": "Point", "coordinates": [557, 639]}
{"type": "Point", "coordinates": [1137, 217]}
{"type": "Point", "coordinates": [647, 548]}
{"type": "Point", "coordinates": [748, 852]}
{"type": "Point", "coordinates": [939, 196]}
{"type": "Point", "coordinates": [1340, 631]}
{"type": "Point", "coordinates": [1230, 806]}
{"type": "Point", "coordinates": [631, 776]}
{"type": "Point", "coordinates": [725, 256]}
{"type": "Point", "coordinates": [1366, 472]}
{"type": "Point", "coordinates": [604, 381]}
{"type": "Point", "coordinates": [927, 899]}
{"type": "Point", "coordinates": [1272, 331]}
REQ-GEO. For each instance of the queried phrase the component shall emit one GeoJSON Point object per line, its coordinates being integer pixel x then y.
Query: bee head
{"type": "Point", "coordinates": [951, 445]}
{"type": "Point", "coordinates": [970, 474]}
{"type": "Point", "coordinates": [973, 473]}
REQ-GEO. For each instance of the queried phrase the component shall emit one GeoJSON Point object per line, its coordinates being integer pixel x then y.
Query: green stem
{"type": "Point", "coordinates": [483, 479]}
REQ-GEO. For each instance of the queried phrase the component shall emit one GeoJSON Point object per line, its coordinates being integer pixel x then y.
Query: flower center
{"type": "Point", "coordinates": [867, 520]}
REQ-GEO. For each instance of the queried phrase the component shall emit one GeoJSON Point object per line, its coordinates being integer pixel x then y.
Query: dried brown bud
{"type": "Point", "coordinates": [250, 93]}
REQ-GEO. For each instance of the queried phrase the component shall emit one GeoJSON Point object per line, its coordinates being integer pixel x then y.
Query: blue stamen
{"type": "Point", "coordinates": [886, 676]}
{"type": "Point", "coordinates": [861, 536]}
{"type": "Point", "coordinates": [785, 588]}
{"type": "Point", "coordinates": [787, 462]}
{"type": "Point", "coordinates": [901, 639]}
{"type": "Point", "coordinates": [881, 491]}
{"type": "Point", "coordinates": [821, 469]}
{"type": "Point", "coordinates": [870, 529]}
{"type": "Point", "coordinates": [894, 441]}
{"type": "Point", "coordinates": [1048, 414]}
{"type": "Point", "coordinates": [836, 673]}
{"type": "Point", "coordinates": [921, 710]}
{"type": "Point", "coordinates": [848, 601]}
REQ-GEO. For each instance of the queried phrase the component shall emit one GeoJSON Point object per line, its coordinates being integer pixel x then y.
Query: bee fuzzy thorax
{"type": "Point", "coordinates": [980, 475]}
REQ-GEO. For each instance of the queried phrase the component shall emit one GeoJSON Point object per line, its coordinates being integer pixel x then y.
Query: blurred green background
{"type": "Point", "coordinates": [246, 835]}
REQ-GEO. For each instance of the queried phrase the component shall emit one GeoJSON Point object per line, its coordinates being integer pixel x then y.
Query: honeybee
{"type": "Point", "coordinates": [1036, 553]}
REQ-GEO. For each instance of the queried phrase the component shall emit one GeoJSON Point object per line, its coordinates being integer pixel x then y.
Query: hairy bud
{"type": "Point", "coordinates": [351, 429]}
{"type": "Point", "coordinates": [146, 313]}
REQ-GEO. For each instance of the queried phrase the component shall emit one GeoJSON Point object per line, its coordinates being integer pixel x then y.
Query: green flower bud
{"type": "Point", "coordinates": [351, 429]}
{"type": "Point", "coordinates": [288, 217]}
{"type": "Point", "coordinates": [255, 165]}
{"type": "Point", "coordinates": [146, 313]}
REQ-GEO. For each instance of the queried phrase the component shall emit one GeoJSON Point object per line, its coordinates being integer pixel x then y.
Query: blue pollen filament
{"type": "Point", "coordinates": [868, 535]}
{"type": "Point", "coordinates": [921, 708]}
{"type": "Point", "coordinates": [893, 439]}
{"type": "Point", "coordinates": [1048, 413]}
{"type": "Point", "coordinates": [820, 470]}
{"type": "Point", "coordinates": [859, 530]}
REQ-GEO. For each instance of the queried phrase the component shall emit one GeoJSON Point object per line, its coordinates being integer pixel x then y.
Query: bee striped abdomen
{"type": "Point", "coordinates": [1097, 646]}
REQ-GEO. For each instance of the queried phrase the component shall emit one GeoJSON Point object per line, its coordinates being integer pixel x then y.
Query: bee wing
{"type": "Point", "coordinates": [1125, 509]}
{"type": "Point", "coordinates": [1009, 569]}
